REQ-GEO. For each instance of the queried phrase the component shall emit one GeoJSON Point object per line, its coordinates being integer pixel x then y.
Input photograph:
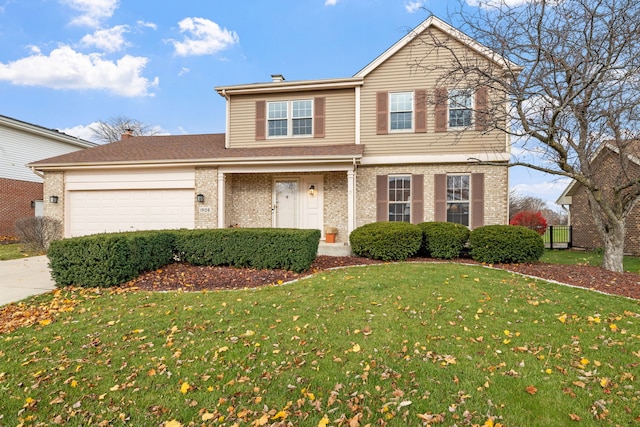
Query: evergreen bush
{"type": "Point", "coordinates": [387, 241]}
{"type": "Point", "coordinates": [444, 240]}
{"type": "Point", "coordinates": [505, 244]}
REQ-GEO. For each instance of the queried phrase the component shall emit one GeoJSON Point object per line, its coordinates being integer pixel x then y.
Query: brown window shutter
{"type": "Point", "coordinates": [442, 98]}
{"type": "Point", "coordinates": [482, 101]}
{"type": "Point", "coordinates": [420, 108]}
{"type": "Point", "coordinates": [382, 198]}
{"type": "Point", "coordinates": [318, 117]}
{"type": "Point", "coordinates": [261, 120]}
{"type": "Point", "coordinates": [417, 199]}
{"type": "Point", "coordinates": [440, 197]}
{"type": "Point", "coordinates": [382, 113]}
{"type": "Point", "coordinates": [477, 200]}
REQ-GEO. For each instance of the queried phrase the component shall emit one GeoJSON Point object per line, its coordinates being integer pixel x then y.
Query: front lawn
{"type": "Point", "coordinates": [398, 344]}
{"type": "Point", "coordinates": [563, 256]}
{"type": "Point", "coordinates": [13, 251]}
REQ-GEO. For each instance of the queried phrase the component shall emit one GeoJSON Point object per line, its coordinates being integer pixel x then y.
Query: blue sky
{"type": "Point", "coordinates": [66, 64]}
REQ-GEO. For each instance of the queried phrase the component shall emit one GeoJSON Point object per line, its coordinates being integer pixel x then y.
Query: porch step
{"type": "Point", "coordinates": [334, 249]}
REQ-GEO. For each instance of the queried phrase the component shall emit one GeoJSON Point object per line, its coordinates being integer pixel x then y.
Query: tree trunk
{"type": "Point", "coordinates": [614, 246]}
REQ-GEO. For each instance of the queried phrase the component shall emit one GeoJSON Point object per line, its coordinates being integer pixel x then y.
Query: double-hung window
{"type": "Point", "coordinates": [401, 111]}
{"type": "Point", "coordinates": [460, 108]}
{"type": "Point", "coordinates": [290, 118]}
{"type": "Point", "coordinates": [400, 198]}
{"type": "Point", "coordinates": [458, 199]}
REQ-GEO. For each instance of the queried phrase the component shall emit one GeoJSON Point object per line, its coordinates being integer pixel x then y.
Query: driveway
{"type": "Point", "coordinates": [24, 277]}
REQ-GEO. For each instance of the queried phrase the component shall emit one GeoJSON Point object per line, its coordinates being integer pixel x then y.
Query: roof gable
{"type": "Point", "coordinates": [52, 134]}
{"type": "Point", "coordinates": [434, 22]}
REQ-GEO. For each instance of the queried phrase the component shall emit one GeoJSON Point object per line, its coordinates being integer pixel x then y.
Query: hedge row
{"type": "Point", "coordinates": [393, 241]}
{"type": "Point", "coordinates": [105, 260]}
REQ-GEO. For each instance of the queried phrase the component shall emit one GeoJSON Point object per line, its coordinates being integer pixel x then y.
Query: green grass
{"type": "Point", "coordinates": [631, 263]}
{"type": "Point", "coordinates": [13, 251]}
{"type": "Point", "coordinates": [397, 344]}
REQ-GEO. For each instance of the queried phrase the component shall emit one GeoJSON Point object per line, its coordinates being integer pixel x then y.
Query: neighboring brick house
{"type": "Point", "coordinates": [387, 144]}
{"type": "Point", "coordinates": [608, 171]}
{"type": "Point", "coordinates": [20, 188]}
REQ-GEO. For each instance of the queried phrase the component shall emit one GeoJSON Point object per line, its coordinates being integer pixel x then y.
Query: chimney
{"type": "Point", "coordinates": [128, 134]}
{"type": "Point", "coordinates": [277, 78]}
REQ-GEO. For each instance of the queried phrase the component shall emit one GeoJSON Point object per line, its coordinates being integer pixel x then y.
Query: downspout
{"type": "Point", "coordinates": [38, 173]}
{"type": "Point", "coordinates": [227, 121]}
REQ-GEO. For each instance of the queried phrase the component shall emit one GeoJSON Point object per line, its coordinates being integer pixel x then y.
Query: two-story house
{"type": "Point", "coordinates": [20, 188]}
{"type": "Point", "coordinates": [388, 144]}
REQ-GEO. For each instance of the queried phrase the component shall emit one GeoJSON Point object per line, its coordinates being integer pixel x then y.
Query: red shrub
{"type": "Point", "coordinates": [530, 219]}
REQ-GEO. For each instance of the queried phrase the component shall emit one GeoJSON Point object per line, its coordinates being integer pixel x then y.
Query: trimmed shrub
{"type": "Point", "coordinates": [443, 240]}
{"type": "Point", "coordinates": [530, 219]}
{"type": "Point", "coordinates": [261, 248]}
{"type": "Point", "coordinates": [387, 241]}
{"type": "Point", "coordinates": [103, 260]}
{"type": "Point", "coordinates": [505, 244]}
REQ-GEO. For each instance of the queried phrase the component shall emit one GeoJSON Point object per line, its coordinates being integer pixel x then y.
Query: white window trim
{"type": "Point", "coordinates": [290, 119]}
{"type": "Point", "coordinates": [409, 201]}
{"type": "Point", "coordinates": [468, 201]}
{"type": "Point", "coordinates": [413, 112]}
{"type": "Point", "coordinates": [472, 119]}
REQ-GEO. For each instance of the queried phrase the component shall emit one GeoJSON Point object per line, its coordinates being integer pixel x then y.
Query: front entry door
{"type": "Point", "coordinates": [286, 204]}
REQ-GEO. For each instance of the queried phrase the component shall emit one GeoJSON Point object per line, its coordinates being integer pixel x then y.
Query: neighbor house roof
{"type": "Point", "coordinates": [52, 134]}
{"type": "Point", "coordinates": [632, 149]}
{"type": "Point", "coordinates": [203, 149]}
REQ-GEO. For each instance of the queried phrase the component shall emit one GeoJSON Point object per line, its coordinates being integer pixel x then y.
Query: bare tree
{"type": "Point", "coordinates": [522, 202]}
{"type": "Point", "coordinates": [113, 129]}
{"type": "Point", "coordinates": [572, 78]}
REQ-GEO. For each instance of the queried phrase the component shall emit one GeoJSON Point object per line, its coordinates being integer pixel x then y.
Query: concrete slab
{"type": "Point", "coordinates": [24, 277]}
{"type": "Point", "coordinates": [334, 249]}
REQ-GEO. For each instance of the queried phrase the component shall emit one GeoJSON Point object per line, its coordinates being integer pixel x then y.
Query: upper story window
{"type": "Point", "coordinates": [290, 118]}
{"type": "Point", "coordinates": [401, 111]}
{"type": "Point", "coordinates": [400, 198]}
{"type": "Point", "coordinates": [458, 199]}
{"type": "Point", "coordinates": [460, 108]}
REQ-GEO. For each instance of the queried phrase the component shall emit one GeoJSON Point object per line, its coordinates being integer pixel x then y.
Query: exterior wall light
{"type": "Point", "coordinates": [53, 199]}
{"type": "Point", "coordinates": [312, 190]}
{"type": "Point", "coordinates": [200, 198]}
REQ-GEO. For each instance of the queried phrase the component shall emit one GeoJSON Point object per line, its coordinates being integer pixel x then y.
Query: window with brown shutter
{"type": "Point", "coordinates": [417, 199]}
{"type": "Point", "coordinates": [482, 101]}
{"type": "Point", "coordinates": [420, 108]}
{"type": "Point", "coordinates": [261, 120]}
{"type": "Point", "coordinates": [441, 109]}
{"type": "Point", "coordinates": [382, 198]}
{"type": "Point", "coordinates": [477, 200]}
{"type": "Point", "coordinates": [318, 117]}
{"type": "Point", "coordinates": [440, 197]}
{"type": "Point", "coordinates": [382, 113]}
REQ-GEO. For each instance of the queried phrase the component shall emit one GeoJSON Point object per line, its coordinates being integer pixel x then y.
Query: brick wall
{"type": "Point", "coordinates": [207, 185]}
{"type": "Point", "coordinates": [495, 189]}
{"type": "Point", "coordinates": [15, 202]}
{"type": "Point", "coordinates": [584, 232]}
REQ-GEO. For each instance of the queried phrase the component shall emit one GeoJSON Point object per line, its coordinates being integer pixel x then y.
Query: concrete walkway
{"type": "Point", "coordinates": [24, 277]}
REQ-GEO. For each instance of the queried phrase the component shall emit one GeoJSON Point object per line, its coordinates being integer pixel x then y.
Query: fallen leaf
{"type": "Point", "coordinates": [531, 390]}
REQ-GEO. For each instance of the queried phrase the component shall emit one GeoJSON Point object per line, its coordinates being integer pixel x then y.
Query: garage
{"type": "Point", "coordinates": [128, 210]}
{"type": "Point", "coordinates": [128, 201]}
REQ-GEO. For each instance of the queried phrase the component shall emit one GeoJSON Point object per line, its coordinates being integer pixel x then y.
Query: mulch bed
{"type": "Point", "coordinates": [186, 277]}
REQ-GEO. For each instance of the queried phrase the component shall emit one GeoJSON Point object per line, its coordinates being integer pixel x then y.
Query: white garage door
{"type": "Point", "coordinates": [102, 211]}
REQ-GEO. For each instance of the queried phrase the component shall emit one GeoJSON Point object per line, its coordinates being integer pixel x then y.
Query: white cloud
{"type": "Point", "coordinates": [92, 12]}
{"type": "Point", "coordinates": [545, 190]}
{"type": "Point", "coordinates": [183, 71]}
{"type": "Point", "coordinates": [65, 68]}
{"type": "Point", "coordinates": [109, 40]}
{"type": "Point", "coordinates": [204, 37]}
{"type": "Point", "coordinates": [82, 132]}
{"type": "Point", "coordinates": [414, 6]}
{"type": "Point", "coordinates": [147, 24]}
{"type": "Point", "coordinates": [330, 2]}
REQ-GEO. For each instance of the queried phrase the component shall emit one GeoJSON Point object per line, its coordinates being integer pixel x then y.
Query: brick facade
{"type": "Point", "coordinates": [16, 199]}
{"type": "Point", "coordinates": [584, 232]}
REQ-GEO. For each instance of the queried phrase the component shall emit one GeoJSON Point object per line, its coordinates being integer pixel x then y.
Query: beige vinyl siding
{"type": "Point", "coordinates": [339, 119]}
{"type": "Point", "coordinates": [397, 75]}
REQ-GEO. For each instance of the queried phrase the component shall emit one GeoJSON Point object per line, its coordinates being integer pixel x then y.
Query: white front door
{"type": "Point", "coordinates": [285, 203]}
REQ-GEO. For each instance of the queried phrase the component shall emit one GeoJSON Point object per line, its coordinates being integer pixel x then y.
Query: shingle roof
{"type": "Point", "coordinates": [204, 148]}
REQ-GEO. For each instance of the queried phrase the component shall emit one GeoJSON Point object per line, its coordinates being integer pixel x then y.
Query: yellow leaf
{"type": "Point", "coordinates": [323, 422]}
{"type": "Point", "coordinates": [604, 382]}
{"type": "Point", "coordinates": [45, 322]}
{"type": "Point", "coordinates": [207, 416]}
{"type": "Point", "coordinates": [563, 318]}
{"type": "Point", "coordinates": [74, 383]}
{"type": "Point", "coordinates": [261, 421]}
{"type": "Point", "coordinates": [584, 361]}
{"type": "Point", "coordinates": [280, 415]}
{"type": "Point", "coordinates": [355, 348]}
{"type": "Point", "coordinates": [173, 423]}
{"type": "Point", "coordinates": [184, 388]}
